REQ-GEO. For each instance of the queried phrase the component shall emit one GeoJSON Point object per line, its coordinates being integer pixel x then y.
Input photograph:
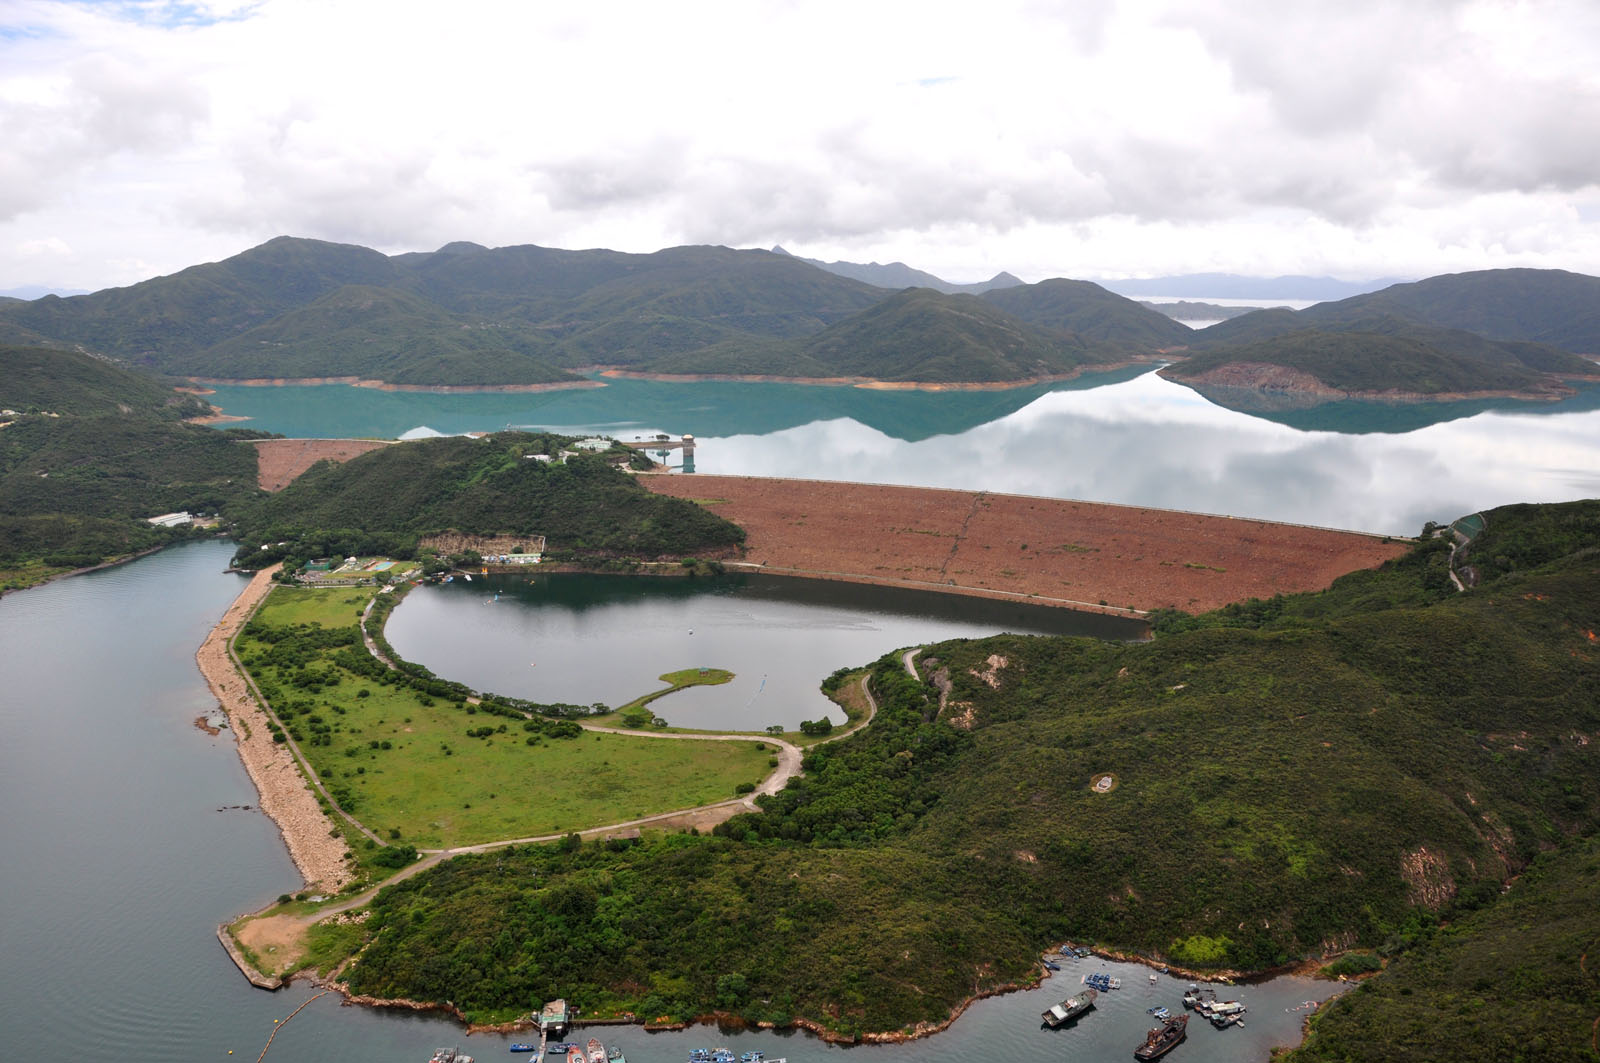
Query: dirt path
{"type": "Point", "coordinates": [308, 834]}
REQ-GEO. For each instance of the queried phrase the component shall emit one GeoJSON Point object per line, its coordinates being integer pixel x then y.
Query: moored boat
{"type": "Point", "coordinates": [520, 1046]}
{"type": "Point", "coordinates": [722, 1055]}
{"type": "Point", "coordinates": [575, 1054]}
{"type": "Point", "coordinates": [614, 1055]}
{"type": "Point", "coordinates": [1058, 1015]}
{"type": "Point", "coordinates": [450, 1055]}
{"type": "Point", "coordinates": [597, 1051]}
{"type": "Point", "coordinates": [1162, 1039]}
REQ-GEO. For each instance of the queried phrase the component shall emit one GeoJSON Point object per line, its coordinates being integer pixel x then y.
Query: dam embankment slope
{"type": "Point", "coordinates": [1057, 551]}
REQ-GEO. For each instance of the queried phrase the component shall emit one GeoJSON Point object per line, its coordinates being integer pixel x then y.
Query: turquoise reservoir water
{"type": "Point", "coordinates": [1132, 438]}
{"type": "Point", "coordinates": [126, 844]}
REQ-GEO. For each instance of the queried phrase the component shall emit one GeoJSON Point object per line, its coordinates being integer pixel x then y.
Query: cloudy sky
{"type": "Point", "coordinates": [1090, 138]}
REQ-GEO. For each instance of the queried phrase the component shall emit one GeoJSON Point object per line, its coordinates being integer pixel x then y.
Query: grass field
{"type": "Point", "coordinates": [409, 769]}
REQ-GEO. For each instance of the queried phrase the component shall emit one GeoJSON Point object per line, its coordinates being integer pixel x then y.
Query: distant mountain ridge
{"type": "Point", "coordinates": [472, 316]}
{"type": "Point", "coordinates": [528, 316]}
{"type": "Point", "coordinates": [899, 275]}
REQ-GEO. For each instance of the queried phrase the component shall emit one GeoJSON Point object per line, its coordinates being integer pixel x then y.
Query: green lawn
{"type": "Point", "coordinates": [440, 787]}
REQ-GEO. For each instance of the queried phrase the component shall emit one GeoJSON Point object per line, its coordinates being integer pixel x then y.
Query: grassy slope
{"type": "Point", "coordinates": [507, 784]}
{"type": "Point", "coordinates": [1278, 764]}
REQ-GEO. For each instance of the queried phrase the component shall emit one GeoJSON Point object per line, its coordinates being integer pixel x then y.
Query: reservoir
{"type": "Point", "coordinates": [579, 638]}
{"type": "Point", "coordinates": [130, 834]}
{"type": "Point", "coordinates": [1129, 437]}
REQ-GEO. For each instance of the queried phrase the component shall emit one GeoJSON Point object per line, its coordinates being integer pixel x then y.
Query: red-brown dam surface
{"type": "Point", "coordinates": [1057, 551]}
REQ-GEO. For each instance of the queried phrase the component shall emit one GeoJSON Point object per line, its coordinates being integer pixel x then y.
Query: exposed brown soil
{"type": "Point", "coordinates": [448, 543]}
{"type": "Point", "coordinates": [279, 461]}
{"type": "Point", "coordinates": [872, 383]}
{"type": "Point", "coordinates": [1060, 552]}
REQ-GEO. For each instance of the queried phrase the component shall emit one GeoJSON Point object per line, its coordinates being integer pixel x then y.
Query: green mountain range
{"type": "Point", "coordinates": [467, 315]}
{"type": "Point", "coordinates": [1515, 330]}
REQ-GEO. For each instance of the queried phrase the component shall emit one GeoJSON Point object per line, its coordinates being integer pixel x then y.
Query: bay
{"type": "Point", "coordinates": [126, 844]}
{"type": "Point", "coordinates": [1131, 437]}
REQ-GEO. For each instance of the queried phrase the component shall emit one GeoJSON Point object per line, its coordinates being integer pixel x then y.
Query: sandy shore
{"type": "Point", "coordinates": [308, 833]}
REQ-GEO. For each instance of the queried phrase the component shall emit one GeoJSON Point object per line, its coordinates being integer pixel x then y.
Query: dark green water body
{"type": "Point", "coordinates": [569, 637]}
{"type": "Point", "coordinates": [122, 854]}
{"type": "Point", "coordinates": [1133, 439]}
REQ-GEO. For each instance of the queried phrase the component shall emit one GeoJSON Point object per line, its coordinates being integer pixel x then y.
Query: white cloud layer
{"type": "Point", "coordinates": [1088, 139]}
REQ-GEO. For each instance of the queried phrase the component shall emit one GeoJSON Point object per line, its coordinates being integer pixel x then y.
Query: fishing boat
{"type": "Point", "coordinates": [1196, 997]}
{"type": "Point", "coordinates": [597, 1051]}
{"type": "Point", "coordinates": [699, 1055]}
{"type": "Point", "coordinates": [1058, 1015]}
{"type": "Point", "coordinates": [723, 1055]}
{"type": "Point", "coordinates": [450, 1055]}
{"type": "Point", "coordinates": [1162, 1039]}
{"type": "Point", "coordinates": [614, 1055]}
{"type": "Point", "coordinates": [575, 1054]}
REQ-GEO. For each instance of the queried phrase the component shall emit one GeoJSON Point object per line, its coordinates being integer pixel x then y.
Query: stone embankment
{"type": "Point", "coordinates": [1045, 550]}
{"type": "Point", "coordinates": [314, 846]}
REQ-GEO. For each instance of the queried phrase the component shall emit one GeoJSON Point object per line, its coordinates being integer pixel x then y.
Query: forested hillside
{"type": "Point", "coordinates": [95, 450]}
{"type": "Point", "coordinates": [384, 501]}
{"type": "Point", "coordinates": [467, 315]}
{"type": "Point", "coordinates": [1290, 778]}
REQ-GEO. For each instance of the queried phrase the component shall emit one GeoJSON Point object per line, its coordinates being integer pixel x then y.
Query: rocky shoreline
{"type": "Point", "coordinates": [318, 851]}
{"type": "Point", "coordinates": [864, 382]}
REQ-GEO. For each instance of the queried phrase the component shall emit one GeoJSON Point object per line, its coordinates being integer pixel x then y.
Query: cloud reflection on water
{"type": "Point", "coordinates": [1151, 442]}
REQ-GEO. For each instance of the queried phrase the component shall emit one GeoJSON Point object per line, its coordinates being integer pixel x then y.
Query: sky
{"type": "Point", "coordinates": [1096, 138]}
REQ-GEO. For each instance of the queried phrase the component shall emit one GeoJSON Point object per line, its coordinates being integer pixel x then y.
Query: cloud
{"type": "Point", "coordinates": [1201, 135]}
